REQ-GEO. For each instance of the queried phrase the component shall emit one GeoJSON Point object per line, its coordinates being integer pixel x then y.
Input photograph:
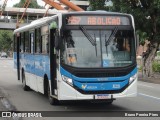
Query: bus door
{"type": "Point", "coordinates": [18, 55]}
{"type": "Point", "coordinates": [53, 59]}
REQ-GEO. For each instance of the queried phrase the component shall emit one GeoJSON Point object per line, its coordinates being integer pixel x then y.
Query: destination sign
{"type": "Point", "coordinates": [97, 20]}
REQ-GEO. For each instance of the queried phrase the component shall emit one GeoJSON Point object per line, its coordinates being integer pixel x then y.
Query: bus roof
{"type": "Point", "coordinates": [35, 24]}
{"type": "Point", "coordinates": [97, 12]}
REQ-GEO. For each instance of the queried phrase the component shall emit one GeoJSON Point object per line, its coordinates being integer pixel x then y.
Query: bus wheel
{"type": "Point", "coordinates": [52, 101]}
{"type": "Point", "coordinates": [24, 86]}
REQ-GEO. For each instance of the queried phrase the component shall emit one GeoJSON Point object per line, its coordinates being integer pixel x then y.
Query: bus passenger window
{"type": "Point", "coordinates": [45, 39]}
{"type": "Point", "coordinates": [37, 41]}
{"type": "Point", "coordinates": [45, 45]}
{"type": "Point", "coordinates": [27, 48]}
{"type": "Point", "coordinates": [21, 42]}
{"type": "Point", "coordinates": [31, 41]}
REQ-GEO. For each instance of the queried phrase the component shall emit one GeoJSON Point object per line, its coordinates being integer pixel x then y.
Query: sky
{"type": "Point", "coordinates": [10, 3]}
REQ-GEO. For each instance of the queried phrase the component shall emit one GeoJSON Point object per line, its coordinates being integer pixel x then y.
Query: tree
{"type": "Point", "coordinates": [97, 4]}
{"type": "Point", "coordinates": [33, 4]}
{"type": "Point", "coordinates": [100, 5]}
{"type": "Point", "coordinates": [6, 40]}
{"type": "Point", "coordinates": [147, 20]}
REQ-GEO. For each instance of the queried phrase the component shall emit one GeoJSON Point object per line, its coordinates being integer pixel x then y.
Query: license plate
{"type": "Point", "coordinates": [103, 96]}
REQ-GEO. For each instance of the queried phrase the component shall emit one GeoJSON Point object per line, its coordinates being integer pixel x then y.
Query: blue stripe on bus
{"type": "Point", "coordinates": [34, 64]}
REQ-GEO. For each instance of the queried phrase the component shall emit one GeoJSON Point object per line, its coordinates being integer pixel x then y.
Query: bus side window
{"type": "Point", "coordinates": [45, 39]}
{"type": "Point", "coordinates": [22, 42]}
{"type": "Point", "coordinates": [45, 44]}
{"type": "Point", "coordinates": [27, 48]}
{"type": "Point", "coordinates": [38, 44]}
{"type": "Point", "coordinates": [31, 41]}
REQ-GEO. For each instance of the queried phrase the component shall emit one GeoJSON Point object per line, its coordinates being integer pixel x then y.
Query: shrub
{"type": "Point", "coordinates": [140, 68]}
{"type": "Point", "coordinates": [156, 66]}
{"type": "Point", "coordinates": [158, 53]}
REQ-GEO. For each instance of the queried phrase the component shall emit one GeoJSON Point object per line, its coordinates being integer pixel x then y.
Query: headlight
{"type": "Point", "coordinates": [67, 80]}
{"type": "Point", "coordinates": [132, 78]}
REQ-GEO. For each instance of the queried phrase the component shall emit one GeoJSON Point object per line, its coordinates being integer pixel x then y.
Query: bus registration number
{"type": "Point", "coordinates": [103, 96]}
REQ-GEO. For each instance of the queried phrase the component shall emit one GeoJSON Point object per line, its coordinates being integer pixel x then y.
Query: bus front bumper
{"type": "Point", "coordinates": [67, 92]}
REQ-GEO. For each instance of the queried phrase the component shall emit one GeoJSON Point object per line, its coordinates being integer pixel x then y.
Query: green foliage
{"type": "Point", "coordinates": [6, 40]}
{"type": "Point", "coordinates": [156, 67]}
{"type": "Point", "coordinates": [158, 53]}
{"type": "Point", "coordinates": [140, 68]}
{"type": "Point", "coordinates": [142, 36]}
{"type": "Point", "coordinates": [145, 14]}
{"type": "Point", "coordinates": [33, 4]}
{"type": "Point", "coordinates": [97, 4]}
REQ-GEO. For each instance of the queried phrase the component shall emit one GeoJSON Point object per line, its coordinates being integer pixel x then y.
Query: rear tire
{"type": "Point", "coordinates": [24, 86]}
{"type": "Point", "coordinates": [52, 101]}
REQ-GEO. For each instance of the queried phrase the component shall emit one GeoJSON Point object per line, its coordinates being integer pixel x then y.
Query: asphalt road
{"type": "Point", "coordinates": [148, 98]}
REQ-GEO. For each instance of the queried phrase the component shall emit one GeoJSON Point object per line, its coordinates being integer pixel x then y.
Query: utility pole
{"type": "Point", "coordinates": [3, 7]}
{"type": "Point", "coordinates": [65, 2]}
{"type": "Point", "coordinates": [26, 4]}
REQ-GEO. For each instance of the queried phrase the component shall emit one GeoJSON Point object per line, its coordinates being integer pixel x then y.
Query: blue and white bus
{"type": "Point", "coordinates": [78, 56]}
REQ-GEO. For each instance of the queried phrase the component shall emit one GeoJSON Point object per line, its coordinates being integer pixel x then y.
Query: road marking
{"type": "Point", "coordinates": [157, 98]}
{"type": "Point", "coordinates": [146, 86]}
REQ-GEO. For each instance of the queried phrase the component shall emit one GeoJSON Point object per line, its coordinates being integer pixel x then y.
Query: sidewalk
{"type": "Point", "coordinates": [155, 79]}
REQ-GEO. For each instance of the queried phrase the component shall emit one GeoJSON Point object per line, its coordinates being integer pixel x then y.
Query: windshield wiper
{"type": "Point", "coordinates": [95, 44]}
{"type": "Point", "coordinates": [89, 37]}
{"type": "Point", "coordinates": [111, 37]}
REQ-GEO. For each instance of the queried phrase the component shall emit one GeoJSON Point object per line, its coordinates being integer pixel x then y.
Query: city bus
{"type": "Point", "coordinates": [88, 55]}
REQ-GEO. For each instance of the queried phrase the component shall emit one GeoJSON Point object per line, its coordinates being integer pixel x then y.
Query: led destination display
{"type": "Point", "coordinates": [97, 20]}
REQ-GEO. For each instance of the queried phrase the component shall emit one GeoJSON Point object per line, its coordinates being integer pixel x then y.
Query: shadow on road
{"type": "Point", "coordinates": [92, 106]}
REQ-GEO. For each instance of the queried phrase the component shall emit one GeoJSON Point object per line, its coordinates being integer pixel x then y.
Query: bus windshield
{"type": "Point", "coordinates": [111, 48]}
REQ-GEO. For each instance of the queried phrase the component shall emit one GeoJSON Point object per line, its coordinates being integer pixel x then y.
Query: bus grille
{"type": "Point", "coordinates": [101, 74]}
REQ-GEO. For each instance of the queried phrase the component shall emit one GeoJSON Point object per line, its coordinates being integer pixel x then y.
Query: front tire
{"type": "Point", "coordinates": [52, 101]}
